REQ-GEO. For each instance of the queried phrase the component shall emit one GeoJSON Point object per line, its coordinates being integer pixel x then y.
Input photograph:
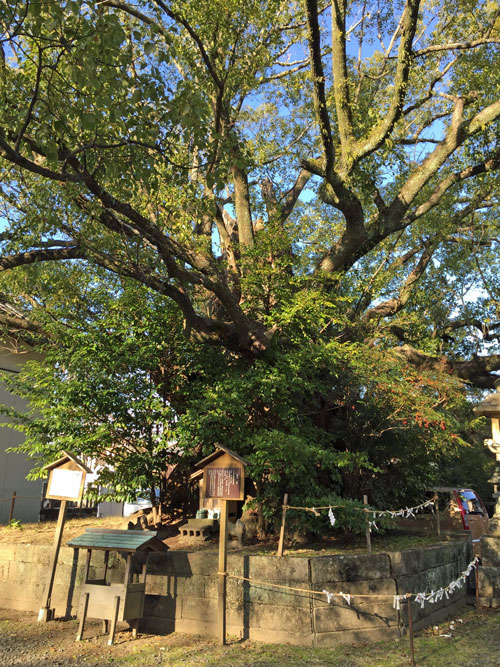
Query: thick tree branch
{"type": "Point", "coordinates": [290, 198]}
{"type": "Point", "coordinates": [340, 80]}
{"type": "Point", "coordinates": [393, 306]}
{"type": "Point", "coordinates": [457, 133]}
{"type": "Point", "coordinates": [478, 371]}
{"type": "Point", "coordinates": [242, 206]}
{"type": "Point", "coordinates": [456, 46]}
{"type": "Point", "coordinates": [381, 131]}
{"type": "Point", "coordinates": [15, 324]}
{"type": "Point", "coordinates": [318, 80]}
{"type": "Point", "coordinates": [43, 255]}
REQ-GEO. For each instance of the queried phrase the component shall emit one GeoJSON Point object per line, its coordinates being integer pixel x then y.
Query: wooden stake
{"type": "Point", "coordinates": [368, 534]}
{"type": "Point", "coordinates": [221, 607]}
{"type": "Point", "coordinates": [410, 631]}
{"type": "Point", "coordinates": [81, 626]}
{"type": "Point", "coordinates": [476, 573]}
{"type": "Point", "coordinates": [114, 621]}
{"type": "Point", "coordinates": [436, 509]}
{"type": "Point", "coordinates": [46, 613]}
{"type": "Point", "coordinates": [12, 504]}
{"type": "Point", "coordinates": [282, 531]}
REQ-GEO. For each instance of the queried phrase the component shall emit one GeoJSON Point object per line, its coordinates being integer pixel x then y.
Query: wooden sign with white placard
{"type": "Point", "coordinates": [66, 483]}
{"type": "Point", "coordinates": [66, 479]}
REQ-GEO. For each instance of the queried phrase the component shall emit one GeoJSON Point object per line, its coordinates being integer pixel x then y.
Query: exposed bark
{"type": "Point", "coordinates": [479, 371]}
{"type": "Point", "coordinates": [41, 255]}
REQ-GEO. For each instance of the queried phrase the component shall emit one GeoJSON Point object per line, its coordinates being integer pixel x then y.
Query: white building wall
{"type": "Point", "coordinates": [15, 467]}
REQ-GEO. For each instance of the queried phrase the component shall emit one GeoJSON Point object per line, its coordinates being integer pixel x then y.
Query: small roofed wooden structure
{"type": "Point", "coordinates": [222, 474]}
{"type": "Point", "coordinates": [66, 478]}
{"type": "Point", "coordinates": [113, 602]}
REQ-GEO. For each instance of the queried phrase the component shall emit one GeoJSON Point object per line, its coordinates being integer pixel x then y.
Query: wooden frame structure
{"type": "Point", "coordinates": [223, 479]}
{"type": "Point", "coordinates": [66, 483]}
{"type": "Point", "coordinates": [113, 602]}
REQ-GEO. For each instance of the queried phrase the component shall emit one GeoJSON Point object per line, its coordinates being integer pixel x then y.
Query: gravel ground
{"type": "Point", "coordinates": [26, 643]}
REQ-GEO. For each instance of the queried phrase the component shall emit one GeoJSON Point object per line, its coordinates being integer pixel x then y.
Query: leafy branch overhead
{"type": "Point", "coordinates": [191, 150]}
{"type": "Point", "coordinates": [275, 225]}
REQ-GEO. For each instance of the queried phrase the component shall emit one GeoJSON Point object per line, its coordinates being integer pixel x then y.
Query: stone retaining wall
{"type": "Point", "coordinates": [182, 591]}
{"type": "Point", "coordinates": [489, 572]}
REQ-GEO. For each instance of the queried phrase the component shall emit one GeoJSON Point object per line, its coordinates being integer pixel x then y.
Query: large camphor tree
{"type": "Point", "coordinates": [267, 224]}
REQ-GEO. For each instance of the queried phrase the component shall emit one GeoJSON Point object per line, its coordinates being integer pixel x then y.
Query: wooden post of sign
{"type": "Point", "coordinates": [222, 585]}
{"type": "Point", "coordinates": [223, 480]}
{"type": "Point", "coordinates": [46, 613]}
{"type": "Point", "coordinates": [283, 521]}
{"type": "Point", "coordinates": [368, 535]}
{"type": "Point", "coordinates": [66, 483]}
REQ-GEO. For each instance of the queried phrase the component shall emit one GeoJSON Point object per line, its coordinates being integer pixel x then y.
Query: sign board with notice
{"type": "Point", "coordinates": [66, 478]}
{"type": "Point", "coordinates": [224, 480]}
{"type": "Point", "coordinates": [223, 475]}
{"type": "Point", "coordinates": [223, 483]}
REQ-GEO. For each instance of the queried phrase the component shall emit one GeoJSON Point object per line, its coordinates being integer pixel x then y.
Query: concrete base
{"type": "Point", "coordinates": [45, 614]}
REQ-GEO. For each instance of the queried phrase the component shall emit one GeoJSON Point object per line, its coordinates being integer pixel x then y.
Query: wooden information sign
{"type": "Point", "coordinates": [223, 475]}
{"type": "Point", "coordinates": [223, 483]}
{"type": "Point", "coordinates": [223, 479]}
{"type": "Point", "coordinates": [66, 483]}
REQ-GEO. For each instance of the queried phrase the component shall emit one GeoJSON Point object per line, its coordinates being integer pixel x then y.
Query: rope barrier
{"type": "Point", "coordinates": [375, 512]}
{"type": "Point", "coordinates": [420, 598]}
{"type": "Point", "coordinates": [305, 590]}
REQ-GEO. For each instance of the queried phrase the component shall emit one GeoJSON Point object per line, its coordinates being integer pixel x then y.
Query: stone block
{"type": "Point", "coordinates": [280, 636]}
{"type": "Point", "coordinates": [164, 563]}
{"type": "Point", "coordinates": [367, 587]}
{"type": "Point", "coordinates": [431, 557]}
{"type": "Point", "coordinates": [427, 580]}
{"type": "Point", "coordinates": [236, 589]}
{"type": "Point", "coordinates": [158, 584]}
{"type": "Point", "coordinates": [198, 609]}
{"type": "Point", "coordinates": [490, 551]}
{"type": "Point", "coordinates": [7, 552]}
{"type": "Point", "coordinates": [280, 618]}
{"type": "Point", "coordinates": [405, 562]}
{"type": "Point", "coordinates": [196, 627]}
{"type": "Point", "coordinates": [161, 606]}
{"type": "Point", "coordinates": [426, 558]}
{"type": "Point", "coordinates": [157, 625]}
{"type": "Point", "coordinates": [489, 581]}
{"type": "Point", "coordinates": [358, 636]}
{"type": "Point", "coordinates": [341, 616]}
{"type": "Point", "coordinates": [349, 568]}
{"type": "Point", "coordinates": [191, 587]}
{"type": "Point", "coordinates": [202, 562]}
{"type": "Point", "coordinates": [268, 596]}
{"type": "Point", "coordinates": [283, 570]}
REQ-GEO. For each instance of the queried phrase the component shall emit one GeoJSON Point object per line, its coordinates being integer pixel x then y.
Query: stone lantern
{"type": "Point", "coordinates": [490, 407]}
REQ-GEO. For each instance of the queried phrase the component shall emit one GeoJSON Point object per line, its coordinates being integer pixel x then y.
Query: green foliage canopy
{"type": "Point", "coordinates": [303, 195]}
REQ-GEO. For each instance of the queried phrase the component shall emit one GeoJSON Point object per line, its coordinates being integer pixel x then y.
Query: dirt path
{"type": "Point", "coordinates": [26, 643]}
